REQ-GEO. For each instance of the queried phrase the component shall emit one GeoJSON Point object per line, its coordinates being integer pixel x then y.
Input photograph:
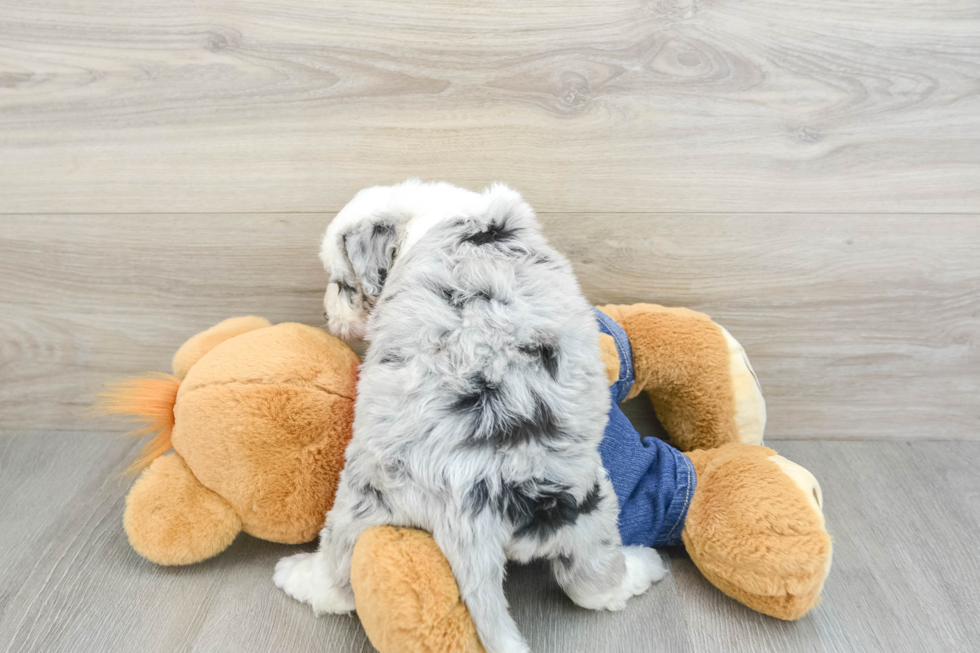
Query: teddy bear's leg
{"type": "Point", "coordinates": [171, 519]}
{"type": "Point", "coordinates": [192, 350]}
{"type": "Point", "coordinates": [696, 374]}
{"type": "Point", "coordinates": [755, 528]}
{"type": "Point", "coordinates": [407, 597]}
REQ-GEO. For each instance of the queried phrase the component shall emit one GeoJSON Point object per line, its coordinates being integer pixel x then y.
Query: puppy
{"type": "Point", "coordinates": [480, 407]}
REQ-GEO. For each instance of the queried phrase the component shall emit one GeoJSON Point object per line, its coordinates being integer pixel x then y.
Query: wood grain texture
{"type": "Point", "coordinates": [584, 105]}
{"type": "Point", "coordinates": [904, 516]}
{"type": "Point", "coordinates": [858, 326]}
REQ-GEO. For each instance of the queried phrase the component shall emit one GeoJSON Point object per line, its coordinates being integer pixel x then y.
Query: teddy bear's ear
{"type": "Point", "coordinates": [200, 344]}
{"type": "Point", "coordinates": [171, 519]}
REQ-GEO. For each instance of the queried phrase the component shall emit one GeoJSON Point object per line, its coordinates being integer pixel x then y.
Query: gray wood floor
{"type": "Point", "coordinates": [905, 517]}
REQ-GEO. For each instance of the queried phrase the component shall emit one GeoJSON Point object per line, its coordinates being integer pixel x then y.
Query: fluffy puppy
{"type": "Point", "coordinates": [480, 406]}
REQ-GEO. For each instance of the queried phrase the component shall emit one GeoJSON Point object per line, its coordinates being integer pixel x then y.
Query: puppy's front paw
{"type": "Point", "coordinates": [643, 568]}
{"type": "Point", "coordinates": [295, 576]}
{"type": "Point", "coordinates": [301, 578]}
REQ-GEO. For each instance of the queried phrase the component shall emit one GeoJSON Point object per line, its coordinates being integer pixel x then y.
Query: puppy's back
{"type": "Point", "coordinates": [483, 332]}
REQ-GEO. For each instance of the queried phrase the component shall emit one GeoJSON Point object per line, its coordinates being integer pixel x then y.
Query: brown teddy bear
{"type": "Point", "coordinates": [258, 417]}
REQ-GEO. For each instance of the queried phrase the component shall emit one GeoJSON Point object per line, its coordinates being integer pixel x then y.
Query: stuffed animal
{"type": "Point", "coordinates": [258, 417]}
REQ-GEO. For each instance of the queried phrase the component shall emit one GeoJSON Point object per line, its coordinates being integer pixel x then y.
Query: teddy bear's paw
{"type": "Point", "coordinates": [643, 568]}
{"type": "Point", "coordinates": [301, 577]}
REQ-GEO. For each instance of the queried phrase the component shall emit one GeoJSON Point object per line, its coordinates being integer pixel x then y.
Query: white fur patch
{"type": "Point", "coordinates": [643, 568]}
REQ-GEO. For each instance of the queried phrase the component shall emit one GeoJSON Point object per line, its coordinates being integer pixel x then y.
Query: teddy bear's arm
{"type": "Point", "coordinates": [756, 530]}
{"type": "Point", "coordinates": [696, 375]}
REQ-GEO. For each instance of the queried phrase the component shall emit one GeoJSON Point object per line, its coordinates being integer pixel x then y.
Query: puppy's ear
{"type": "Point", "coordinates": [370, 248]}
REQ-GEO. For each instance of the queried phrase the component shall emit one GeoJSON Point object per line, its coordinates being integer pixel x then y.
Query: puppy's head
{"type": "Point", "coordinates": [358, 250]}
{"type": "Point", "coordinates": [378, 225]}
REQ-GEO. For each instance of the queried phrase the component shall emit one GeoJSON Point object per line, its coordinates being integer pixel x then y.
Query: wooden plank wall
{"type": "Point", "coordinates": [808, 173]}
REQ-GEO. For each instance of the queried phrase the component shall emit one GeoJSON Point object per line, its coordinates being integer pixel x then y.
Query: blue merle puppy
{"type": "Point", "coordinates": [480, 407]}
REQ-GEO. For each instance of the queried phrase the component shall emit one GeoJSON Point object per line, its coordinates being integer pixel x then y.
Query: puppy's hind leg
{"type": "Point", "coordinates": [322, 578]}
{"type": "Point", "coordinates": [593, 568]}
{"type": "Point", "coordinates": [473, 545]}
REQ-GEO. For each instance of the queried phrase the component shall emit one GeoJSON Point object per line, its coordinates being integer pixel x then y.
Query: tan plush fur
{"type": "Point", "coordinates": [407, 598]}
{"type": "Point", "coordinates": [264, 419]}
{"type": "Point", "coordinates": [259, 424]}
{"type": "Point", "coordinates": [200, 344]}
{"type": "Point", "coordinates": [754, 534]}
{"type": "Point", "coordinates": [171, 519]}
{"type": "Point", "coordinates": [681, 360]}
{"type": "Point", "coordinates": [610, 357]}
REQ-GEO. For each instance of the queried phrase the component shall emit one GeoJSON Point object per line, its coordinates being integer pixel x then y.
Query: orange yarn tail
{"type": "Point", "coordinates": [151, 400]}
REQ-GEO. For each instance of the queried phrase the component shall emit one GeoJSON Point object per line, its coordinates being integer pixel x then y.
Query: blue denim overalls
{"type": "Point", "coordinates": [654, 482]}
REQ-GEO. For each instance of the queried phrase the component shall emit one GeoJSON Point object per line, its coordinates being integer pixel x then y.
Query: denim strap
{"type": "Point", "coordinates": [611, 327]}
